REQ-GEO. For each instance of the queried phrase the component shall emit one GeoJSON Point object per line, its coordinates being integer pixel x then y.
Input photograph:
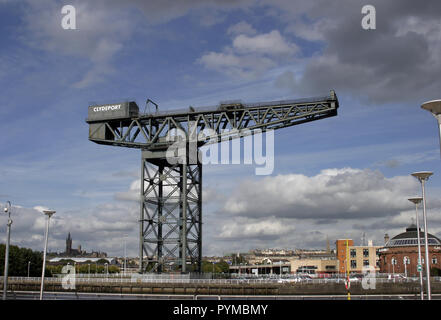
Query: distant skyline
{"type": "Point", "coordinates": [335, 178]}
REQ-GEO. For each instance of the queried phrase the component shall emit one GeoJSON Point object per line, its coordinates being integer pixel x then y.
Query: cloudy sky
{"type": "Point", "coordinates": [336, 178]}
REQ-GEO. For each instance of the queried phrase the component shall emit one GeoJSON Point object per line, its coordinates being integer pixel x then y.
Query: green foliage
{"type": "Point", "coordinates": [114, 269]}
{"type": "Point", "coordinates": [18, 261]}
{"type": "Point", "coordinates": [54, 269]}
{"type": "Point", "coordinates": [219, 267]}
{"type": "Point", "coordinates": [66, 261]}
{"type": "Point", "coordinates": [92, 267]}
{"type": "Point", "coordinates": [102, 261]}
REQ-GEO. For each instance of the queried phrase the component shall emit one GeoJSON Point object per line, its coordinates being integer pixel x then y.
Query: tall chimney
{"type": "Point", "coordinates": [386, 238]}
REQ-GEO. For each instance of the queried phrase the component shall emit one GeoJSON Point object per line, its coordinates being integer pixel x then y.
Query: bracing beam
{"type": "Point", "coordinates": [170, 216]}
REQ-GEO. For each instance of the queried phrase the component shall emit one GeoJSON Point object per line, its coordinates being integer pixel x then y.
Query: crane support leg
{"type": "Point", "coordinates": [170, 215]}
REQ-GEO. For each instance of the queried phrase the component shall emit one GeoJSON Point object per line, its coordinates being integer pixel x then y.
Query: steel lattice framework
{"type": "Point", "coordinates": [171, 192]}
{"type": "Point", "coordinates": [171, 208]}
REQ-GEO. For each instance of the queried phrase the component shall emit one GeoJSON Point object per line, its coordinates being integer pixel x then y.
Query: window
{"type": "Point", "coordinates": [406, 260]}
{"type": "Point", "coordinates": [353, 253]}
{"type": "Point", "coordinates": [365, 253]}
{"type": "Point", "coordinates": [330, 267]}
{"type": "Point", "coordinates": [365, 263]}
{"type": "Point", "coordinates": [434, 260]}
{"type": "Point", "coordinates": [353, 264]}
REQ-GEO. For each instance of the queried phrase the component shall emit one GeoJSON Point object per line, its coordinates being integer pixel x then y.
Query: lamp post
{"type": "Point", "coordinates": [125, 254]}
{"type": "Point", "coordinates": [405, 262]}
{"type": "Point", "coordinates": [49, 214]}
{"type": "Point", "coordinates": [29, 267]}
{"type": "Point", "coordinates": [434, 107]}
{"type": "Point", "coordinates": [107, 268]}
{"type": "Point", "coordinates": [422, 177]}
{"type": "Point", "coordinates": [7, 210]}
{"type": "Point", "coordinates": [348, 270]}
{"type": "Point", "coordinates": [394, 262]}
{"type": "Point", "coordinates": [416, 201]}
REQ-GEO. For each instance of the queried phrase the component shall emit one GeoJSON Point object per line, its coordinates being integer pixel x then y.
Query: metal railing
{"type": "Point", "coordinates": [140, 279]}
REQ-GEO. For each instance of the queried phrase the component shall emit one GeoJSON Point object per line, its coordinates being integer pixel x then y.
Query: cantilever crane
{"type": "Point", "coordinates": [171, 191]}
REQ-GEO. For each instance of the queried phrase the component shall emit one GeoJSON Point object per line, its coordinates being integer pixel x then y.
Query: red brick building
{"type": "Point", "coordinates": [404, 248]}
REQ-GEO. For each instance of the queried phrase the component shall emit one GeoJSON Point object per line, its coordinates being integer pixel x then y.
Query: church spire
{"type": "Point", "coordinates": [68, 244]}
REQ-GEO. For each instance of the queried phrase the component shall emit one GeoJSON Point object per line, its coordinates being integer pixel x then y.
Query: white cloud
{"type": "Point", "coordinates": [333, 193]}
{"type": "Point", "coordinates": [249, 66]}
{"type": "Point", "coordinates": [100, 228]}
{"type": "Point", "coordinates": [252, 228]}
{"type": "Point", "coordinates": [219, 60]}
{"type": "Point", "coordinates": [271, 43]}
{"type": "Point", "coordinates": [312, 31]}
{"type": "Point", "coordinates": [133, 194]}
{"type": "Point", "coordinates": [250, 56]}
{"type": "Point", "coordinates": [40, 208]}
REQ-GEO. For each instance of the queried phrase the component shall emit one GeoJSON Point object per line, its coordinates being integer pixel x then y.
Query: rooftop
{"type": "Point", "coordinates": [410, 238]}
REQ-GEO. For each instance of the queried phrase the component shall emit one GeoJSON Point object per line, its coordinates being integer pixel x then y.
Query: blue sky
{"type": "Point", "coordinates": [181, 53]}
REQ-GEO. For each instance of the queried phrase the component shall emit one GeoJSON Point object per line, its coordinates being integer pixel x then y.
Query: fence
{"type": "Point", "coordinates": [143, 279]}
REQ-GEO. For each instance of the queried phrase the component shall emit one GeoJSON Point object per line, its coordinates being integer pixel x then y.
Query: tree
{"type": "Point", "coordinates": [66, 261]}
{"type": "Point", "coordinates": [19, 259]}
{"type": "Point", "coordinates": [102, 261]}
{"type": "Point", "coordinates": [219, 267]}
{"type": "Point", "coordinates": [223, 266]}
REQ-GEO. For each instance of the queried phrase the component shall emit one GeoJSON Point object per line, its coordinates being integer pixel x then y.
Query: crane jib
{"type": "Point", "coordinates": [122, 124]}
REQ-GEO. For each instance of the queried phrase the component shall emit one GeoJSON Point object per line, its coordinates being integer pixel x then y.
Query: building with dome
{"type": "Point", "coordinates": [400, 254]}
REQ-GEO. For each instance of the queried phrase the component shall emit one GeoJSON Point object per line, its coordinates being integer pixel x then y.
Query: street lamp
{"type": "Point", "coordinates": [434, 107]}
{"type": "Point", "coordinates": [49, 214]}
{"type": "Point", "coordinates": [422, 177]}
{"type": "Point", "coordinates": [406, 261]}
{"type": "Point", "coordinates": [416, 201]}
{"type": "Point", "coordinates": [394, 262]}
{"type": "Point", "coordinates": [29, 267]}
{"type": "Point", "coordinates": [125, 254]}
{"type": "Point", "coordinates": [7, 210]}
